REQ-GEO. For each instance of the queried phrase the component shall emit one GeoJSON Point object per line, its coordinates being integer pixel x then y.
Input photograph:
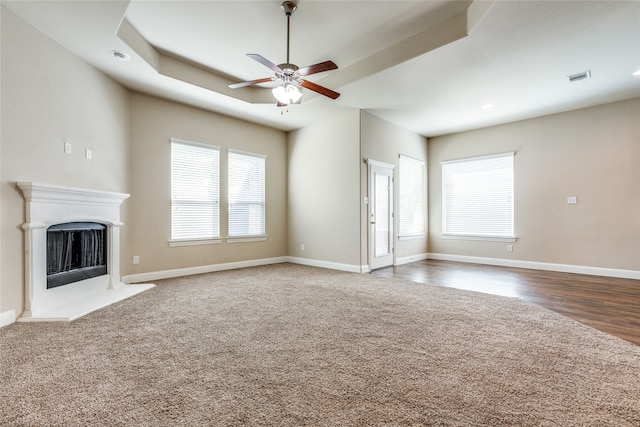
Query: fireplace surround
{"type": "Point", "coordinates": [47, 205]}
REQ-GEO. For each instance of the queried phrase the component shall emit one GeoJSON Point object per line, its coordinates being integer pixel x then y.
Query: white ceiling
{"type": "Point", "coordinates": [428, 66]}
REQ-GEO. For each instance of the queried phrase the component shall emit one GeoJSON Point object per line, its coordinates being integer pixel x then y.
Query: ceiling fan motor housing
{"type": "Point", "coordinates": [288, 69]}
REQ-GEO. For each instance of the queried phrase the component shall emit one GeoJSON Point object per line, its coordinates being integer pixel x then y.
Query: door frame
{"type": "Point", "coordinates": [390, 259]}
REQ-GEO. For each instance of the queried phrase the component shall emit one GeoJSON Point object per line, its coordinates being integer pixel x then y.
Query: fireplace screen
{"type": "Point", "coordinates": [75, 251]}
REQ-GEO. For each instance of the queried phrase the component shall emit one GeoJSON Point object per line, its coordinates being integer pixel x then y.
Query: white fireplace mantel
{"type": "Point", "coordinates": [47, 205]}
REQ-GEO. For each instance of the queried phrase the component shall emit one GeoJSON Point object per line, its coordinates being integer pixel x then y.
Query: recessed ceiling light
{"type": "Point", "coordinates": [637, 73]}
{"type": "Point", "coordinates": [121, 56]}
{"type": "Point", "coordinates": [487, 106]}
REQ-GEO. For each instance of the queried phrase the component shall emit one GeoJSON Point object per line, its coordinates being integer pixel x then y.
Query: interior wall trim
{"type": "Point", "coordinates": [325, 264]}
{"type": "Point", "coordinates": [411, 258]}
{"type": "Point", "coordinates": [201, 269]}
{"type": "Point", "coordinates": [7, 318]}
{"type": "Point", "coordinates": [188, 271]}
{"type": "Point", "coordinates": [533, 265]}
{"type": "Point", "coordinates": [563, 268]}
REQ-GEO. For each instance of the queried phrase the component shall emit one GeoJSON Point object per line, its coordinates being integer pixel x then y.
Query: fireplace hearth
{"type": "Point", "coordinates": [77, 217]}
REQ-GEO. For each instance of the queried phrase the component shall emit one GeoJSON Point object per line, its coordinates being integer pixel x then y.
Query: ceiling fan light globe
{"type": "Point", "coordinates": [287, 94]}
{"type": "Point", "coordinates": [280, 94]}
{"type": "Point", "coordinates": [293, 93]}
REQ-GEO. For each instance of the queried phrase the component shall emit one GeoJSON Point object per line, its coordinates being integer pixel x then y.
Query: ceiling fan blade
{"type": "Point", "coordinates": [264, 61]}
{"type": "Point", "coordinates": [251, 83]}
{"type": "Point", "coordinates": [317, 68]}
{"type": "Point", "coordinates": [320, 89]}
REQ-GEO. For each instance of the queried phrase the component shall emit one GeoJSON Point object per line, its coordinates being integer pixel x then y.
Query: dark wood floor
{"type": "Point", "coordinates": [609, 304]}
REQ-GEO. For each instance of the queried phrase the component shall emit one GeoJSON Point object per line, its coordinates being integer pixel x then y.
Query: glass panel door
{"type": "Point", "coordinates": [381, 243]}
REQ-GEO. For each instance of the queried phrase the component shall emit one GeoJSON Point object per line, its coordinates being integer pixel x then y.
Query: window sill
{"type": "Point", "coordinates": [245, 239]}
{"type": "Point", "coordinates": [194, 242]}
{"type": "Point", "coordinates": [505, 239]}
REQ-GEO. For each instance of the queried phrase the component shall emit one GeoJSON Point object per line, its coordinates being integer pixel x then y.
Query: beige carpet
{"type": "Point", "coordinates": [291, 345]}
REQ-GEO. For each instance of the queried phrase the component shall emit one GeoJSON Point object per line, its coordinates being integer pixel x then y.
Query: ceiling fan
{"type": "Point", "coordinates": [290, 75]}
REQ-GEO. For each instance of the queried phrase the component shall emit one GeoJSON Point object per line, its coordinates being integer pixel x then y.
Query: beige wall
{"type": "Point", "coordinates": [592, 153]}
{"type": "Point", "coordinates": [324, 191]}
{"type": "Point", "coordinates": [153, 123]}
{"type": "Point", "coordinates": [328, 181]}
{"type": "Point", "coordinates": [50, 96]}
{"type": "Point", "coordinates": [385, 142]}
{"type": "Point", "coordinates": [316, 177]}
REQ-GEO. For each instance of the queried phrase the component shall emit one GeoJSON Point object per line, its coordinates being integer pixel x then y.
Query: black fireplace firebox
{"type": "Point", "coordinates": [75, 251]}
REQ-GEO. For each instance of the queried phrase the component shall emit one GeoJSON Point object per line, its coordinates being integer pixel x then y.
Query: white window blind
{"type": "Point", "coordinates": [477, 196]}
{"type": "Point", "coordinates": [246, 194]}
{"type": "Point", "coordinates": [195, 193]}
{"type": "Point", "coordinates": [411, 197]}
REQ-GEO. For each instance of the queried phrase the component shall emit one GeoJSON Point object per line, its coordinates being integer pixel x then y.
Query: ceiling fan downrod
{"type": "Point", "coordinates": [288, 7]}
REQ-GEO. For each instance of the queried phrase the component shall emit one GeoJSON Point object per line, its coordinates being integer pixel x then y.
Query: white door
{"type": "Point", "coordinates": [380, 214]}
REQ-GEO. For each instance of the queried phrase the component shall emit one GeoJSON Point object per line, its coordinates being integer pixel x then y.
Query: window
{"type": "Point", "coordinates": [246, 194]}
{"type": "Point", "coordinates": [195, 194]}
{"type": "Point", "coordinates": [477, 197]}
{"type": "Point", "coordinates": [411, 199]}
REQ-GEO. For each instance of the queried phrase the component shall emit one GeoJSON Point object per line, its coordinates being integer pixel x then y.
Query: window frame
{"type": "Point", "coordinates": [416, 234]}
{"type": "Point", "coordinates": [248, 237]}
{"type": "Point", "coordinates": [448, 234]}
{"type": "Point", "coordinates": [202, 240]}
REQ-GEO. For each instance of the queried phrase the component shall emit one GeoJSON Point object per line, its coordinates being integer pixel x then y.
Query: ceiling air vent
{"type": "Point", "coordinates": [579, 76]}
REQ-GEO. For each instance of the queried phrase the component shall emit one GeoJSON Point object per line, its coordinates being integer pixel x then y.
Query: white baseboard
{"type": "Point", "coordinates": [412, 258]}
{"type": "Point", "coordinates": [7, 318]}
{"type": "Point", "coordinates": [179, 272]}
{"type": "Point", "coordinates": [352, 268]}
{"type": "Point", "coordinates": [327, 264]}
{"type": "Point", "coordinates": [563, 268]}
{"type": "Point", "coordinates": [188, 271]}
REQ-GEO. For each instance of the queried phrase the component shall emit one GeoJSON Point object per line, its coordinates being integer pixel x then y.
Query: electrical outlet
{"type": "Point", "coordinates": [136, 259]}
{"type": "Point", "coordinates": [88, 153]}
{"type": "Point", "coordinates": [302, 247]}
{"type": "Point", "coordinates": [67, 147]}
{"type": "Point", "coordinates": [509, 248]}
{"type": "Point", "coordinates": [572, 200]}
